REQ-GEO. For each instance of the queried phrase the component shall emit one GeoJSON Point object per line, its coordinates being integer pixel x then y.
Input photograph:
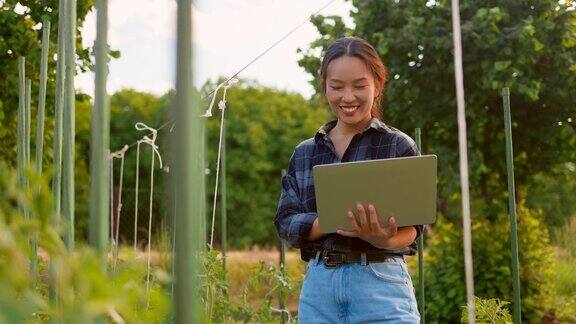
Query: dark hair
{"type": "Point", "coordinates": [357, 47]}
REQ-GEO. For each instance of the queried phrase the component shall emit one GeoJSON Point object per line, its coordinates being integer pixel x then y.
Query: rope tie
{"type": "Point", "coordinates": [136, 196]}
{"type": "Point", "coordinates": [152, 142]}
{"type": "Point", "coordinates": [222, 107]}
{"type": "Point", "coordinates": [116, 223]}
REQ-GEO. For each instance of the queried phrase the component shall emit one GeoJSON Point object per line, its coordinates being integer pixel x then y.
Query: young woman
{"type": "Point", "coordinates": [356, 276]}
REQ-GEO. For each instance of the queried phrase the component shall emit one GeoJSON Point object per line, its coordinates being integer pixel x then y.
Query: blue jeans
{"type": "Point", "coordinates": [379, 292]}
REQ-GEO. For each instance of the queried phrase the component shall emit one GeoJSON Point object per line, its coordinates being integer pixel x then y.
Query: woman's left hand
{"type": "Point", "coordinates": [369, 228]}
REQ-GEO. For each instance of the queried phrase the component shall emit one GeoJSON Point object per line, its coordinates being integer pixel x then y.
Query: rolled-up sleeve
{"type": "Point", "coordinates": [292, 221]}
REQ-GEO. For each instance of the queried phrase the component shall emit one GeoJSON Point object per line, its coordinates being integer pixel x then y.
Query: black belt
{"type": "Point", "coordinates": [333, 259]}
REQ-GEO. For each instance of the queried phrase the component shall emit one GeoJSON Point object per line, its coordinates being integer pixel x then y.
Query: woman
{"type": "Point", "coordinates": [360, 275]}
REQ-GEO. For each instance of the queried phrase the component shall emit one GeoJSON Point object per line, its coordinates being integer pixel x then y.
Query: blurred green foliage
{"type": "Point", "coordinates": [86, 290]}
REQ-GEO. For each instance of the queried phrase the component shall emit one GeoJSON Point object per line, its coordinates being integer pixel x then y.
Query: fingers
{"type": "Point", "coordinates": [392, 228]}
{"type": "Point", "coordinates": [353, 222]}
{"type": "Point", "coordinates": [348, 233]}
{"type": "Point", "coordinates": [362, 217]}
{"type": "Point", "coordinates": [374, 223]}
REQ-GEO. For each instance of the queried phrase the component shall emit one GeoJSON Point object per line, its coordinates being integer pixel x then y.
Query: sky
{"type": "Point", "coordinates": [228, 34]}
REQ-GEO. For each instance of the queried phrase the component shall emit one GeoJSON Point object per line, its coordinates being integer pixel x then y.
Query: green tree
{"type": "Point", "coordinates": [21, 35]}
{"type": "Point", "coordinates": [526, 46]}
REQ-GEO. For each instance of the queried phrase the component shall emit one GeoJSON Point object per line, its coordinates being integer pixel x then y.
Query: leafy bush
{"type": "Point", "coordinates": [492, 311]}
{"type": "Point", "coordinates": [445, 279]}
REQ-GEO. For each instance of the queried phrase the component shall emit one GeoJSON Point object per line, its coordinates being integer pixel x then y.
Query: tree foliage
{"type": "Point", "coordinates": [21, 35]}
{"type": "Point", "coordinates": [526, 46]}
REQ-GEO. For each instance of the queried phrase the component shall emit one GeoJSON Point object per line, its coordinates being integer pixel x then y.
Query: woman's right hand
{"type": "Point", "coordinates": [315, 232]}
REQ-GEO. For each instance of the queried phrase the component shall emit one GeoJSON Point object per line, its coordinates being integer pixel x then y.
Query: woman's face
{"type": "Point", "coordinates": [350, 90]}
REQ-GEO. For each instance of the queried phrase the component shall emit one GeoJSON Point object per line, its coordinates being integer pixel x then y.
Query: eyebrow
{"type": "Point", "coordinates": [357, 80]}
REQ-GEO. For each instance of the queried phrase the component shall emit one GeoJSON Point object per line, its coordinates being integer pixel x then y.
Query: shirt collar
{"type": "Point", "coordinates": [323, 131]}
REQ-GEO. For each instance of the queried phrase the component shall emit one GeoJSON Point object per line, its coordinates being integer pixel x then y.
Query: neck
{"type": "Point", "coordinates": [351, 130]}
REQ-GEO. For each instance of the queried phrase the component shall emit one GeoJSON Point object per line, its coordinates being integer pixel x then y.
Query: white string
{"type": "Point", "coordinates": [152, 142]}
{"type": "Point", "coordinates": [282, 311]}
{"type": "Point", "coordinates": [222, 107]}
{"type": "Point", "coordinates": [224, 84]}
{"type": "Point", "coordinates": [136, 196]}
{"type": "Point", "coordinates": [116, 224]}
{"type": "Point", "coordinates": [112, 200]}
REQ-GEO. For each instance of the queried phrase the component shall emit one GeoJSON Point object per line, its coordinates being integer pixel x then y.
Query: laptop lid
{"type": "Point", "coordinates": [405, 186]}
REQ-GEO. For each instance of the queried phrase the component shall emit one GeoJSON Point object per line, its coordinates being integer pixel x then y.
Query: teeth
{"type": "Point", "coordinates": [349, 109]}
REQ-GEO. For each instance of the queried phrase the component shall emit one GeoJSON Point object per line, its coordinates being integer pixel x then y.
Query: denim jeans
{"type": "Point", "coordinates": [379, 292]}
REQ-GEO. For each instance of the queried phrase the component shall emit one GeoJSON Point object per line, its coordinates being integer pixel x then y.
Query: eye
{"type": "Point", "coordinates": [337, 88]}
{"type": "Point", "coordinates": [360, 87]}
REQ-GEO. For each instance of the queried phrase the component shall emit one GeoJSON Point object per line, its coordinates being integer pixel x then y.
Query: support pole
{"type": "Point", "coordinates": [189, 182]}
{"type": "Point", "coordinates": [224, 197]}
{"type": "Point", "coordinates": [512, 206]}
{"type": "Point", "coordinates": [21, 128]}
{"type": "Point", "coordinates": [58, 111]}
{"type": "Point", "coordinates": [40, 116]}
{"type": "Point", "coordinates": [463, 153]}
{"type": "Point", "coordinates": [99, 175]}
{"type": "Point", "coordinates": [27, 117]}
{"type": "Point", "coordinates": [57, 149]}
{"type": "Point", "coordinates": [282, 297]}
{"type": "Point", "coordinates": [421, 296]}
{"type": "Point", "coordinates": [69, 126]}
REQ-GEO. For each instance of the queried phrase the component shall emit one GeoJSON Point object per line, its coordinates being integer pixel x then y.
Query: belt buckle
{"type": "Point", "coordinates": [333, 259]}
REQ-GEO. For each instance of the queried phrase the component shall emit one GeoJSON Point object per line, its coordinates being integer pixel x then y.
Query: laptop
{"type": "Point", "coordinates": [405, 186]}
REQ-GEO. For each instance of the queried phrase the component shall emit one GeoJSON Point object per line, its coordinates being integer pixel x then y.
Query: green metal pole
{"type": "Point", "coordinates": [58, 115]}
{"type": "Point", "coordinates": [189, 139]}
{"type": "Point", "coordinates": [57, 145]}
{"type": "Point", "coordinates": [40, 119]}
{"type": "Point", "coordinates": [69, 126]}
{"type": "Point", "coordinates": [21, 128]}
{"type": "Point", "coordinates": [224, 197]}
{"type": "Point", "coordinates": [42, 95]}
{"type": "Point", "coordinates": [27, 117]}
{"type": "Point", "coordinates": [421, 299]}
{"type": "Point", "coordinates": [282, 301]}
{"type": "Point", "coordinates": [512, 206]}
{"type": "Point", "coordinates": [99, 177]}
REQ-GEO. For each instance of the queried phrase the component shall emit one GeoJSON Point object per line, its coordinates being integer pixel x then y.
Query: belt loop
{"type": "Point", "coordinates": [317, 257]}
{"type": "Point", "coordinates": [363, 259]}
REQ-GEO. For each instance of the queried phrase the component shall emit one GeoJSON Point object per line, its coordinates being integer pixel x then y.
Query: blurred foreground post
{"type": "Point", "coordinates": [99, 147]}
{"type": "Point", "coordinates": [68, 123]}
{"type": "Point", "coordinates": [512, 205]}
{"type": "Point", "coordinates": [188, 178]}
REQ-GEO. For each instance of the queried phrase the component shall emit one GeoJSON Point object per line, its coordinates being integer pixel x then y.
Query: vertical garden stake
{"type": "Point", "coordinates": [421, 300]}
{"type": "Point", "coordinates": [512, 205]}
{"type": "Point", "coordinates": [69, 126]}
{"type": "Point", "coordinates": [99, 171]}
{"type": "Point", "coordinates": [189, 191]}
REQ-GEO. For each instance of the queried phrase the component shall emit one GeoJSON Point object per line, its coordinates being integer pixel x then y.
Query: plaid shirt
{"type": "Point", "coordinates": [297, 206]}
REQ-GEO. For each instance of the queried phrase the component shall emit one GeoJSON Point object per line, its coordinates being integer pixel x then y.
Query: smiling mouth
{"type": "Point", "coordinates": [349, 109]}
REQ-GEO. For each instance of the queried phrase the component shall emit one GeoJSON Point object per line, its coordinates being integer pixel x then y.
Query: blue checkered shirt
{"type": "Point", "coordinates": [297, 206]}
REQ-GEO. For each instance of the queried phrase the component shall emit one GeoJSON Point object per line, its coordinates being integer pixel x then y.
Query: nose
{"type": "Point", "coordinates": [348, 95]}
